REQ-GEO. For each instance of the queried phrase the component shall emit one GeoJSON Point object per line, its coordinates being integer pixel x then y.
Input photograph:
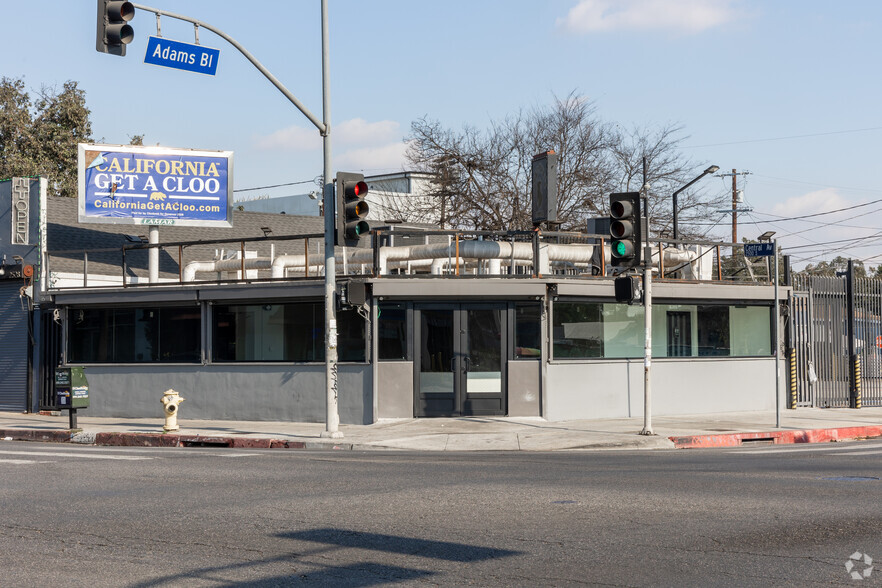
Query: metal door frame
{"type": "Point", "coordinates": [460, 344]}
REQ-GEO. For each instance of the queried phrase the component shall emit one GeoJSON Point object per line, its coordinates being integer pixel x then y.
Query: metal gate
{"type": "Point", "coordinates": [868, 338]}
{"type": "Point", "coordinates": [819, 316]}
{"type": "Point", "coordinates": [14, 348]}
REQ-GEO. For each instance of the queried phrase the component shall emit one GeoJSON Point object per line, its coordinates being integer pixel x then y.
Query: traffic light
{"type": "Point", "coordinates": [628, 289]}
{"type": "Point", "coordinates": [351, 209]}
{"type": "Point", "coordinates": [113, 32]}
{"type": "Point", "coordinates": [624, 229]}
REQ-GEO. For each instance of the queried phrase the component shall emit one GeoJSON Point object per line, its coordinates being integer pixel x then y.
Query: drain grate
{"type": "Point", "coordinates": [206, 442]}
{"type": "Point", "coordinates": [851, 478]}
{"type": "Point", "coordinates": [759, 441]}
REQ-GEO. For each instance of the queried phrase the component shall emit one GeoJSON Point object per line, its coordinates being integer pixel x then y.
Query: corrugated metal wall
{"type": "Point", "coordinates": [13, 348]}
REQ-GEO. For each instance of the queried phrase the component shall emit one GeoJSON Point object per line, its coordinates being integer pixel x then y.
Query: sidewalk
{"type": "Point", "coordinates": [461, 434]}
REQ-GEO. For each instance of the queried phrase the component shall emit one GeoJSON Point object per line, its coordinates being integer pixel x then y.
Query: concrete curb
{"type": "Point", "coordinates": [777, 437]}
{"type": "Point", "coordinates": [128, 439]}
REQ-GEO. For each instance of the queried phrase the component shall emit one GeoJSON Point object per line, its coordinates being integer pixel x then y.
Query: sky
{"type": "Point", "coordinates": [787, 90]}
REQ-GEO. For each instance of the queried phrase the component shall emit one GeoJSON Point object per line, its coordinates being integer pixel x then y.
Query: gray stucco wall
{"type": "Point", "coordinates": [234, 392]}
{"type": "Point", "coordinates": [523, 388]}
{"type": "Point", "coordinates": [614, 389]}
{"type": "Point", "coordinates": [395, 389]}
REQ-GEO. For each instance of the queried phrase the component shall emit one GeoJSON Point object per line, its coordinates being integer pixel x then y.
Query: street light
{"type": "Point", "coordinates": [710, 170]}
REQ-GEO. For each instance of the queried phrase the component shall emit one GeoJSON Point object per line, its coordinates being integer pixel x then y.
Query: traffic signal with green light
{"type": "Point", "coordinates": [625, 229]}
{"type": "Point", "coordinates": [351, 209]}
{"type": "Point", "coordinates": [113, 32]}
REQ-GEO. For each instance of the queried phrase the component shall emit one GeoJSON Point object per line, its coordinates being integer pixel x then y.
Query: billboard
{"type": "Point", "coordinates": [131, 184]}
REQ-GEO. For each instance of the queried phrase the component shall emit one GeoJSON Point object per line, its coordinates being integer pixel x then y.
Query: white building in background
{"type": "Point", "coordinates": [399, 196]}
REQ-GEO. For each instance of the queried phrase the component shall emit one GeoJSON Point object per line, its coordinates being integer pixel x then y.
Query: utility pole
{"type": "Point", "coordinates": [735, 210]}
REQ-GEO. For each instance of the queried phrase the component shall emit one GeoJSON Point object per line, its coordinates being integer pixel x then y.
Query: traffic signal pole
{"type": "Point", "coordinates": [332, 414]}
{"type": "Point", "coordinates": [332, 417]}
{"type": "Point", "coordinates": [647, 314]}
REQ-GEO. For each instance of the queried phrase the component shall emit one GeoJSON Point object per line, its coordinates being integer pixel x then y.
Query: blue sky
{"type": "Point", "coordinates": [788, 90]}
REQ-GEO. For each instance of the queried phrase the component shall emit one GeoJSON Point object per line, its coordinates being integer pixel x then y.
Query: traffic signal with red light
{"type": "Point", "coordinates": [351, 209]}
{"type": "Point", "coordinates": [113, 32]}
{"type": "Point", "coordinates": [625, 229]}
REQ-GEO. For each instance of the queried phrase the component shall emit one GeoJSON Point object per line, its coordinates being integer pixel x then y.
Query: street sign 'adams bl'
{"type": "Point", "coordinates": [178, 55]}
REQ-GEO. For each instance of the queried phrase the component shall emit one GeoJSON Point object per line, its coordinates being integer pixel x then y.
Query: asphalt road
{"type": "Point", "coordinates": [760, 516]}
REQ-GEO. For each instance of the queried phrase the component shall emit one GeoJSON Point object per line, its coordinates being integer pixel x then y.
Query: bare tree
{"type": "Point", "coordinates": [667, 171]}
{"type": "Point", "coordinates": [483, 178]}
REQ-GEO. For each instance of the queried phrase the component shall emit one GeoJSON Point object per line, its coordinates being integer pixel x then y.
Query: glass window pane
{"type": "Point", "coordinates": [134, 335]}
{"type": "Point", "coordinates": [577, 330]}
{"type": "Point", "coordinates": [262, 332]}
{"type": "Point", "coordinates": [713, 330]}
{"type": "Point", "coordinates": [528, 326]}
{"type": "Point", "coordinates": [623, 330]}
{"type": "Point", "coordinates": [751, 328]}
{"type": "Point", "coordinates": [392, 331]}
{"type": "Point", "coordinates": [180, 334]}
{"type": "Point", "coordinates": [350, 336]}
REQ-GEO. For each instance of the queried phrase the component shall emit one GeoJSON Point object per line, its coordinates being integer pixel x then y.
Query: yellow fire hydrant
{"type": "Point", "coordinates": [170, 401]}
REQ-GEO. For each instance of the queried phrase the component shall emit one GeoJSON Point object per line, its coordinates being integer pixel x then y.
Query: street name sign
{"type": "Point", "coordinates": [759, 249]}
{"type": "Point", "coordinates": [179, 55]}
{"type": "Point", "coordinates": [129, 184]}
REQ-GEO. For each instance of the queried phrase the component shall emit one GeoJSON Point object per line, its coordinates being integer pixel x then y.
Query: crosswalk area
{"type": "Point", "coordinates": [23, 454]}
{"type": "Point", "coordinates": [840, 448]}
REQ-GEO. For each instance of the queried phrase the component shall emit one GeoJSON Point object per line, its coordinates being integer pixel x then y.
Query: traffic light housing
{"type": "Point", "coordinates": [351, 209]}
{"type": "Point", "coordinates": [625, 229]}
{"type": "Point", "coordinates": [628, 289]}
{"type": "Point", "coordinates": [113, 32]}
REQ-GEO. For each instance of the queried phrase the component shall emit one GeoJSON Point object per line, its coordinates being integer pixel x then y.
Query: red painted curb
{"type": "Point", "coordinates": [151, 439]}
{"type": "Point", "coordinates": [137, 439]}
{"type": "Point", "coordinates": [777, 437]}
{"type": "Point", "coordinates": [51, 436]}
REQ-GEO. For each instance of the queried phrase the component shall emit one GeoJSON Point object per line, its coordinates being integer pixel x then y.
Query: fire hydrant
{"type": "Point", "coordinates": [170, 401]}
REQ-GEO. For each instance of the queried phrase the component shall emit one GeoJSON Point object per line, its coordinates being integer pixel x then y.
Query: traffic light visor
{"type": "Point", "coordinates": [120, 11]}
{"type": "Point", "coordinates": [358, 189]}
{"type": "Point", "coordinates": [621, 209]}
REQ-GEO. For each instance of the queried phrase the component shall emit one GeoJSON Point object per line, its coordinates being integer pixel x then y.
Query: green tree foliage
{"type": "Point", "coordinates": [838, 265]}
{"type": "Point", "coordinates": [39, 137]}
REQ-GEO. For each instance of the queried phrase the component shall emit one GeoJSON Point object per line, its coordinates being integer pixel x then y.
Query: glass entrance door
{"type": "Point", "coordinates": [460, 363]}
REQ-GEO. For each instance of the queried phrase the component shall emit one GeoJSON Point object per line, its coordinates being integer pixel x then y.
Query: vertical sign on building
{"type": "Point", "coordinates": [21, 207]}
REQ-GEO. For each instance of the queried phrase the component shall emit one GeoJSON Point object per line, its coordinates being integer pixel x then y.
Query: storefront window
{"type": "Point", "coordinates": [291, 332]}
{"type": "Point", "coordinates": [585, 329]}
{"type": "Point", "coordinates": [134, 335]}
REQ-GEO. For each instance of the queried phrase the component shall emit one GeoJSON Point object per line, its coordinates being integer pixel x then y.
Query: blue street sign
{"type": "Point", "coordinates": [178, 55]}
{"type": "Point", "coordinates": [759, 249]}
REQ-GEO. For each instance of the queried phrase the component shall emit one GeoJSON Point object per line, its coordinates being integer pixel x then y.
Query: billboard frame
{"type": "Point", "coordinates": [153, 152]}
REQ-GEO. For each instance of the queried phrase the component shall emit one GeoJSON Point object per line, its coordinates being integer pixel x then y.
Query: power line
{"type": "Point", "coordinates": [275, 186]}
{"type": "Point", "coordinates": [785, 138]}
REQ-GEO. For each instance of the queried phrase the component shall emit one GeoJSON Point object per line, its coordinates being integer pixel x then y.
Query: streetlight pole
{"type": "Point", "coordinates": [710, 170]}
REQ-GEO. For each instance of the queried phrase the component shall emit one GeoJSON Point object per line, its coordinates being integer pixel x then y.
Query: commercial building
{"type": "Point", "coordinates": [431, 323]}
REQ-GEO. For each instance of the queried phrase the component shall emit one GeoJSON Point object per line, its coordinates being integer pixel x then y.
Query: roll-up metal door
{"type": "Point", "coordinates": [13, 348]}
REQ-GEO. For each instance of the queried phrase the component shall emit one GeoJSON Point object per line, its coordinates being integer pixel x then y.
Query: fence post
{"type": "Point", "coordinates": [854, 394]}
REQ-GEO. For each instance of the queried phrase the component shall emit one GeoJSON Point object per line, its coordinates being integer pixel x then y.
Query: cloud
{"type": "Point", "coordinates": [290, 139]}
{"type": "Point", "coordinates": [356, 132]}
{"type": "Point", "coordinates": [383, 157]}
{"type": "Point", "coordinates": [811, 203]}
{"type": "Point", "coordinates": [690, 16]}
